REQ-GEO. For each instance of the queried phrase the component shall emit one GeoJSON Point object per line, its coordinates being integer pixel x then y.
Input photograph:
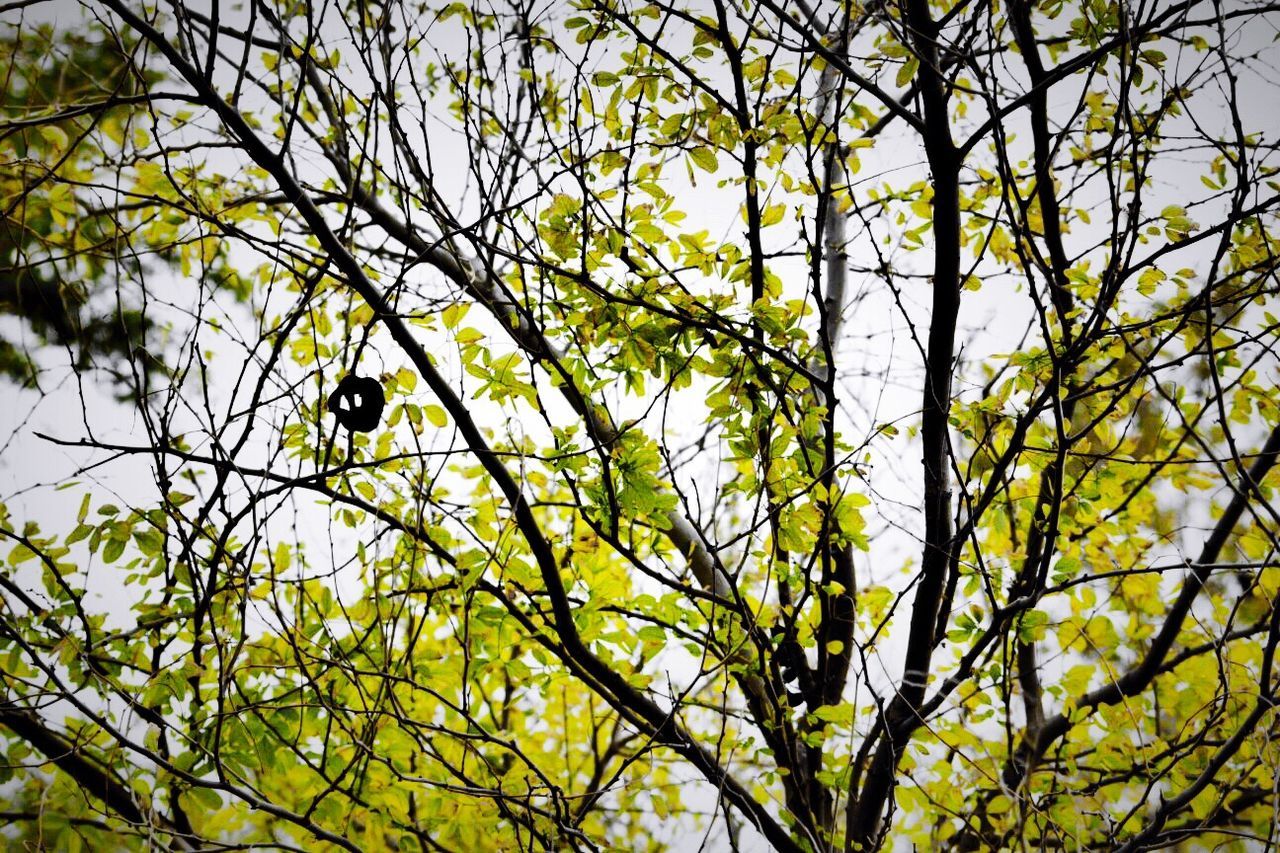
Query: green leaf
{"type": "Point", "coordinates": [705, 159]}
{"type": "Point", "coordinates": [436, 415]}
{"type": "Point", "coordinates": [907, 71]}
{"type": "Point", "coordinates": [112, 550]}
{"type": "Point", "coordinates": [1031, 625]}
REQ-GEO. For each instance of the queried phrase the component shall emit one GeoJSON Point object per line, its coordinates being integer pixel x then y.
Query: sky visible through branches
{"type": "Point", "coordinates": [807, 426]}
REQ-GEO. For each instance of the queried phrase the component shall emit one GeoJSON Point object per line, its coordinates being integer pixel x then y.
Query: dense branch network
{"type": "Point", "coordinates": [812, 405]}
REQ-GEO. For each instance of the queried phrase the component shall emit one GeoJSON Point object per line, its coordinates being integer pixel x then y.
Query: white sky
{"type": "Point", "coordinates": [880, 362]}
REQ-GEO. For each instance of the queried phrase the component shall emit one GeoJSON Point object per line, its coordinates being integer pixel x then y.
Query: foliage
{"type": "Point", "coordinates": [70, 108]}
{"type": "Point", "coordinates": [814, 426]}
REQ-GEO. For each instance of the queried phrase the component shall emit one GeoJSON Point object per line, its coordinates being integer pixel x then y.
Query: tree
{"type": "Point", "coordinates": [811, 426]}
{"type": "Point", "coordinates": [70, 102]}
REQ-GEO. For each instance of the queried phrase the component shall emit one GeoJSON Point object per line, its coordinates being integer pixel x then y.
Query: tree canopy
{"type": "Point", "coordinates": [783, 425]}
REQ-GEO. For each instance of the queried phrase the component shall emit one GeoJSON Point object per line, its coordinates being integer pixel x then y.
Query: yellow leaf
{"type": "Point", "coordinates": [454, 313]}
{"type": "Point", "coordinates": [772, 215]}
